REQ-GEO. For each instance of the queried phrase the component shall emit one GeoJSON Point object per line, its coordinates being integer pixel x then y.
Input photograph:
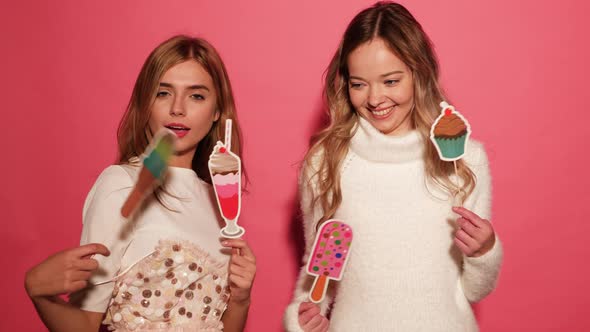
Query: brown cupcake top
{"type": "Point", "coordinates": [450, 126]}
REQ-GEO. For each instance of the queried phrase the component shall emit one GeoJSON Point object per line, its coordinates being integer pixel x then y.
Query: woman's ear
{"type": "Point", "coordinates": [217, 115]}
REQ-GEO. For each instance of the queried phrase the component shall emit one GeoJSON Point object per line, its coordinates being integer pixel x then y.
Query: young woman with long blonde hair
{"type": "Point", "coordinates": [413, 266]}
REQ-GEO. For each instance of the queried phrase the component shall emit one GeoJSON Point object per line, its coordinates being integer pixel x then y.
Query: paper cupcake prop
{"type": "Point", "coordinates": [225, 168]}
{"type": "Point", "coordinates": [450, 133]}
{"type": "Point", "coordinates": [328, 258]}
{"type": "Point", "coordinates": [154, 166]}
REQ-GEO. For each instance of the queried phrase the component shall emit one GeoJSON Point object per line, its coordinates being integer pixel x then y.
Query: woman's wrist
{"type": "Point", "coordinates": [243, 303]}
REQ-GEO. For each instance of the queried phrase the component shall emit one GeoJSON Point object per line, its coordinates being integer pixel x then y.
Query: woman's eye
{"type": "Point", "coordinates": [162, 93]}
{"type": "Point", "coordinates": [356, 85]}
{"type": "Point", "coordinates": [391, 82]}
{"type": "Point", "coordinates": [198, 97]}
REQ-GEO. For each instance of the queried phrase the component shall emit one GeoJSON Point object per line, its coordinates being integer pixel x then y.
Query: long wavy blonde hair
{"type": "Point", "coordinates": [132, 134]}
{"type": "Point", "coordinates": [394, 24]}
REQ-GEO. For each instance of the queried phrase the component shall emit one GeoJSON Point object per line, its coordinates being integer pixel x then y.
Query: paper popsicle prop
{"type": "Point", "coordinates": [226, 175]}
{"type": "Point", "coordinates": [329, 255]}
{"type": "Point", "coordinates": [155, 164]}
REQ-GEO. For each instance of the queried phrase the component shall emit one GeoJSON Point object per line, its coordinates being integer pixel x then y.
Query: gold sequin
{"type": "Point", "coordinates": [218, 289]}
{"type": "Point", "coordinates": [145, 303]}
{"type": "Point", "coordinates": [157, 292]}
{"type": "Point", "coordinates": [139, 275]}
{"type": "Point", "coordinates": [178, 292]}
{"type": "Point", "coordinates": [147, 293]}
{"type": "Point", "coordinates": [189, 295]}
{"type": "Point", "coordinates": [166, 314]}
{"type": "Point", "coordinates": [168, 262]}
{"type": "Point", "coordinates": [168, 305]}
{"type": "Point", "coordinates": [182, 311]}
{"type": "Point", "coordinates": [215, 277]}
{"type": "Point", "coordinates": [169, 275]}
{"type": "Point", "coordinates": [136, 314]}
{"type": "Point", "coordinates": [127, 296]}
{"type": "Point", "coordinates": [206, 310]}
{"type": "Point", "coordinates": [217, 312]}
{"type": "Point", "coordinates": [176, 247]}
{"type": "Point", "coordinates": [192, 286]}
{"type": "Point", "coordinates": [189, 314]}
{"type": "Point", "coordinates": [192, 266]}
{"type": "Point", "coordinates": [207, 299]}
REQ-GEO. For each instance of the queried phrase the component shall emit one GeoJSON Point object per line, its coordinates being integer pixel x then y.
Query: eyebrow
{"type": "Point", "coordinates": [392, 72]}
{"type": "Point", "coordinates": [192, 87]}
{"type": "Point", "coordinates": [383, 76]}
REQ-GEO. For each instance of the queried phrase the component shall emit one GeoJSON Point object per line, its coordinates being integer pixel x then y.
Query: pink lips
{"type": "Point", "coordinates": [178, 128]}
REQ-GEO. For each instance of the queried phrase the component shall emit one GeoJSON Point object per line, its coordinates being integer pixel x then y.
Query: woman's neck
{"type": "Point", "coordinates": [182, 160]}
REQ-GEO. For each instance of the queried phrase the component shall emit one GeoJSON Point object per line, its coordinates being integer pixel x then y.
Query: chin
{"type": "Point", "coordinates": [388, 128]}
{"type": "Point", "coordinates": [183, 147]}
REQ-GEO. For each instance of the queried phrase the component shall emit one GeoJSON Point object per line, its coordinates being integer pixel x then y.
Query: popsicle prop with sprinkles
{"type": "Point", "coordinates": [155, 164]}
{"type": "Point", "coordinates": [225, 168]}
{"type": "Point", "coordinates": [329, 255]}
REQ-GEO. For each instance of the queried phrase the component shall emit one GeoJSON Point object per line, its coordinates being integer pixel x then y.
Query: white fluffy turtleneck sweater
{"type": "Point", "coordinates": [404, 272]}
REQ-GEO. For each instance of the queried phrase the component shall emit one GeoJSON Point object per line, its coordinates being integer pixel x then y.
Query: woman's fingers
{"type": "Point", "coordinates": [245, 250]}
{"type": "Point", "coordinates": [90, 249]}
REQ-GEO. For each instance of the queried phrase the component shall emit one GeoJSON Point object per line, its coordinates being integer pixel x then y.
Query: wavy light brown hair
{"type": "Point", "coordinates": [133, 133]}
{"type": "Point", "coordinates": [405, 37]}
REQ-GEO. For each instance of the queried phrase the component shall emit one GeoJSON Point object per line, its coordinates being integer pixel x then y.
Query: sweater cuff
{"type": "Point", "coordinates": [291, 318]}
{"type": "Point", "coordinates": [491, 260]}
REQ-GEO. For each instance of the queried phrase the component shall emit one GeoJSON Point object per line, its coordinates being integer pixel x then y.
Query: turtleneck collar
{"type": "Point", "coordinates": [370, 144]}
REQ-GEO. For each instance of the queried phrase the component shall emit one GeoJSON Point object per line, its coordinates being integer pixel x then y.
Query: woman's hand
{"type": "Point", "coordinates": [475, 236]}
{"type": "Point", "coordinates": [310, 318]}
{"type": "Point", "coordinates": [64, 272]}
{"type": "Point", "coordinates": [242, 270]}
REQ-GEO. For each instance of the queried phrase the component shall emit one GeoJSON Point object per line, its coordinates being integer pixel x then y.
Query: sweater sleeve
{"type": "Point", "coordinates": [103, 223]}
{"type": "Point", "coordinates": [305, 281]}
{"type": "Point", "coordinates": [480, 274]}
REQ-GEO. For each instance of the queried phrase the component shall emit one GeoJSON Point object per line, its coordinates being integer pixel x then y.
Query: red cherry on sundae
{"type": "Point", "coordinates": [222, 150]}
{"type": "Point", "coordinates": [448, 111]}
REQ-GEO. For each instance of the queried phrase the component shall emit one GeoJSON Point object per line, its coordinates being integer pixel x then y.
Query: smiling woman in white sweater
{"type": "Point", "coordinates": [418, 260]}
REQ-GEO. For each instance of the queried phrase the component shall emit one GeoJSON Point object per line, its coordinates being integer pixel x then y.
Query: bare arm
{"type": "Point", "coordinates": [64, 272]}
{"type": "Point", "coordinates": [235, 316]}
{"type": "Point", "coordinates": [60, 316]}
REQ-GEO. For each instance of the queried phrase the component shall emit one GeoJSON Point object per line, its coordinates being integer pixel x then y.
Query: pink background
{"type": "Point", "coordinates": [516, 69]}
